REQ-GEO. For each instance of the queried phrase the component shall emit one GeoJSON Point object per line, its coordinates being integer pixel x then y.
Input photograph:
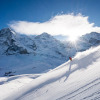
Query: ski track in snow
{"type": "Point", "coordinates": [81, 90]}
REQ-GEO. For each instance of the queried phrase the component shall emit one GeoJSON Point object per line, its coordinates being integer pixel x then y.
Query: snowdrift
{"type": "Point", "coordinates": [76, 80]}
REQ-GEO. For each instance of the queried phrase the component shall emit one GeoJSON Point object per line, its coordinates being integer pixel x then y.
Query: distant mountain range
{"type": "Point", "coordinates": [13, 43]}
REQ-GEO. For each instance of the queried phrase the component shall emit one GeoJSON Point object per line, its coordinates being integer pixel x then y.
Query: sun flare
{"type": "Point", "coordinates": [73, 38]}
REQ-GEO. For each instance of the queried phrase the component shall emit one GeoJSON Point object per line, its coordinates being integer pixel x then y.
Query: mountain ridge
{"type": "Point", "coordinates": [44, 44]}
{"type": "Point", "coordinates": [23, 44]}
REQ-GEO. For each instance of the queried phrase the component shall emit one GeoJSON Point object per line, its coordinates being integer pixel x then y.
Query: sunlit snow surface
{"type": "Point", "coordinates": [76, 80]}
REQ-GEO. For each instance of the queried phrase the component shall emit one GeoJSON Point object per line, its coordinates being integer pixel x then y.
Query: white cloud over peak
{"type": "Point", "coordinates": [65, 24]}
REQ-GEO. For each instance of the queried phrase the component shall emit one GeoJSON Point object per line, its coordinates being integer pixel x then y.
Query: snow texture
{"type": "Point", "coordinates": [74, 80]}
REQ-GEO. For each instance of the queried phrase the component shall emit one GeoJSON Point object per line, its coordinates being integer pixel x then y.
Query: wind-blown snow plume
{"type": "Point", "coordinates": [66, 24]}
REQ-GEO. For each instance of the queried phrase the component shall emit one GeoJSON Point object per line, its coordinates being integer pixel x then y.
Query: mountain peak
{"type": "Point", "coordinates": [44, 35]}
{"type": "Point", "coordinates": [6, 31]}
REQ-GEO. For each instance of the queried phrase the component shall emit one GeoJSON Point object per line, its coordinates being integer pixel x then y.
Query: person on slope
{"type": "Point", "coordinates": [70, 58]}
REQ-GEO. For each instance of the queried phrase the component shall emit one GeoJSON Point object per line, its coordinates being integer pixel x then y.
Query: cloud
{"type": "Point", "coordinates": [65, 24]}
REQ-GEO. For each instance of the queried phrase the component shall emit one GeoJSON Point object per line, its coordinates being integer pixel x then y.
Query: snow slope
{"type": "Point", "coordinates": [76, 80]}
{"type": "Point", "coordinates": [27, 64]}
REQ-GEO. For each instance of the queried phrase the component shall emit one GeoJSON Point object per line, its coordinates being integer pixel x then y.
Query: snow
{"type": "Point", "coordinates": [28, 67]}
{"type": "Point", "coordinates": [27, 64]}
{"type": "Point", "coordinates": [74, 80]}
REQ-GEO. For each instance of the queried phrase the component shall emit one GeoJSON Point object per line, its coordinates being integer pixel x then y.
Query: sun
{"type": "Point", "coordinates": [73, 38]}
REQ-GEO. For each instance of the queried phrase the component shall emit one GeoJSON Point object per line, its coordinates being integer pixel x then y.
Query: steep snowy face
{"type": "Point", "coordinates": [7, 38]}
{"type": "Point", "coordinates": [88, 40]}
{"type": "Point", "coordinates": [93, 38]}
{"type": "Point", "coordinates": [44, 40]}
{"type": "Point", "coordinates": [8, 42]}
{"type": "Point", "coordinates": [7, 35]}
{"type": "Point", "coordinates": [44, 44]}
{"type": "Point", "coordinates": [26, 42]}
{"type": "Point", "coordinates": [6, 32]}
{"type": "Point", "coordinates": [48, 45]}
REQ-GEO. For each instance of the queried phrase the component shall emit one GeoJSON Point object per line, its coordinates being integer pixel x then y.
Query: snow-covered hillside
{"type": "Point", "coordinates": [27, 64]}
{"type": "Point", "coordinates": [76, 80]}
{"type": "Point", "coordinates": [13, 43]}
{"type": "Point", "coordinates": [88, 40]}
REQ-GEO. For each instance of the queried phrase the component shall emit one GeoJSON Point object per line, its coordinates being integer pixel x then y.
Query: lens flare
{"type": "Point", "coordinates": [73, 38]}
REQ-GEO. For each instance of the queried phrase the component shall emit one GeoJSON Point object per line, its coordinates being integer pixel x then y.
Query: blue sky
{"type": "Point", "coordinates": [43, 10]}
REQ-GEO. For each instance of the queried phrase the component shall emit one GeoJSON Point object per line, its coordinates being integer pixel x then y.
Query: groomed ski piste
{"type": "Point", "coordinates": [74, 80]}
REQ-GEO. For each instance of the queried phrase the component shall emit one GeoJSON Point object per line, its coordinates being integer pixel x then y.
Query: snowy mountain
{"type": "Point", "coordinates": [24, 54]}
{"type": "Point", "coordinates": [44, 44]}
{"type": "Point", "coordinates": [9, 44]}
{"type": "Point", "coordinates": [88, 40]}
{"type": "Point", "coordinates": [83, 43]}
{"type": "Point", "coordinates": [74, 80]}
{"type": "Point", "coordinates": [48, 45]}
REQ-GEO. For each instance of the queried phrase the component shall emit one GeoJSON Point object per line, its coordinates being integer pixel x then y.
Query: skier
{"type": "Point", "coordinates": [70, 58]}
